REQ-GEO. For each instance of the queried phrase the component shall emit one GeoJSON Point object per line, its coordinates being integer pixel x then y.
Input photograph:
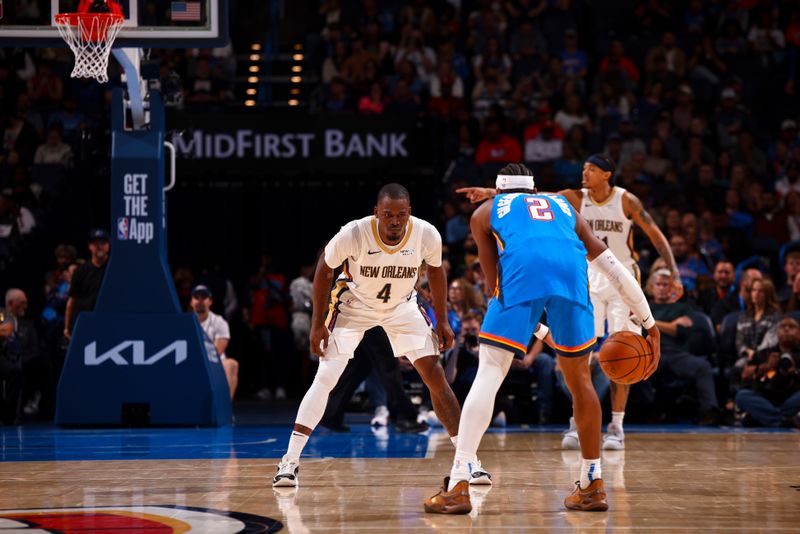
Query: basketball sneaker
{"type": "Point", "coordinates": [287, 474]}
{"type": "Point", "coordinates": [381, 416]}
{"type": "Point", "coordinates": [450, 502]}
{"type": "Point", "coordinates": [591, 499]}
{"type": "Point", "coordinates": [478, 476]}
{"type": "Point", "coordinates": [499, 420]}
{"type": "Point", "coordinates": [614, 438]}
{"type": "Point", "coordinates": [432, 419]}
{"type": "Point", "coordinates": [570, 440]}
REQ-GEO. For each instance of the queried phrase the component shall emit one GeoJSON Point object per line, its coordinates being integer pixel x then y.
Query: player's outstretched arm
{"type": "Point", "coordinates": [437, 279]}
{"type": "Point", "coordinates": [323, 278]}
{"type": "Point", "coordinates": [487, 247]}
{"type": "Point", "coordinates": [477, 194]}
{"type": "Point", "coordinates": [634, 209]}
{"type": "Point", "coordinates": [623, 281]}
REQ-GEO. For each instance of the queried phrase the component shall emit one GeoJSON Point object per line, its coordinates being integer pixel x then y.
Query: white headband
{"type": "Point", "coordinates": [516, 181]}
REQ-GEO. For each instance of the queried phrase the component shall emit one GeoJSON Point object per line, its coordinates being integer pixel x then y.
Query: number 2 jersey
{"type": "Point", "coordinates": [540, 253]}
{"type": "Point", "coordinates": [380, 275]}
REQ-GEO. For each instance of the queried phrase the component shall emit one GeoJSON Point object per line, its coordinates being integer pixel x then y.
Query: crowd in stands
{"type": "Point", "coordinates": [696, 101]}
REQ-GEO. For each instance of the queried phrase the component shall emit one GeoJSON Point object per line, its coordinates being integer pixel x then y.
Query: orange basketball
{"type": "Point", "coordinates": [624, 357]}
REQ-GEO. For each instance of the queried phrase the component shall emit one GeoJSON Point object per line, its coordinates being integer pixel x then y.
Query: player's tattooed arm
{"type": "Point", "coordinates": [635, 210]}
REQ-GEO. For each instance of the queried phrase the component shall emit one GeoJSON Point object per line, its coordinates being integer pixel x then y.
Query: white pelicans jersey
{"type": "Point", "coordinates": [609, 223]}
{"type": "Point", "coordinates": [379, 275]}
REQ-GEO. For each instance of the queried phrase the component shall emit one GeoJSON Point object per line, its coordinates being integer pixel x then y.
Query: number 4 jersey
{"type": "Point", "coordinates": [379, 275]}
{"type": "Point", "coordinates": [540, 253]}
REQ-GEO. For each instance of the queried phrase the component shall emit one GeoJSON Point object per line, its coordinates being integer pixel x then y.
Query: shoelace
{"type": "Point", "coordinates": [581, 491]}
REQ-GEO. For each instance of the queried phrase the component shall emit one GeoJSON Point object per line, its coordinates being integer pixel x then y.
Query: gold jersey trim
{"type": "Point", "coordinates": [385, 247]}
{"type": "Point", "coordinates": [610, 197]}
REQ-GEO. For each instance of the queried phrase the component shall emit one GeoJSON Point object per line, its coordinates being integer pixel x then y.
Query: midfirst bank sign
{"type": "Point", "coordinates": [291, 143]}
{"type": "Point", "coordinates": [250, 144]}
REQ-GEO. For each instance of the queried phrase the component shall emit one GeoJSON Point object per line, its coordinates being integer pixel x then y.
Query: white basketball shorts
{"type": "Point", "coordinates": [409, 329]}
{"type": "Point", "coordinates": [609, 306]}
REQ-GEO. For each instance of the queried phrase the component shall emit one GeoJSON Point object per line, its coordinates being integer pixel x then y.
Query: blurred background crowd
{"type": "Point", "coordinates": [696, 102]}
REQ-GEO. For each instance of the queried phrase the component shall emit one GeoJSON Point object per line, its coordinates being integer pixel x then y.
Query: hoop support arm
{"type": "Point", "coordinates": [130, 59]}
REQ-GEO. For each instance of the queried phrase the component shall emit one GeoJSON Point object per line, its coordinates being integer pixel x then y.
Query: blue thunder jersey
{"type": "Point", "coordinates": [540, 253]}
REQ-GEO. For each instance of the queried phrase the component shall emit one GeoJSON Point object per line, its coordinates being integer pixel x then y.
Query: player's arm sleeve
{"type": "Point", "coordinates": [626, 285]}
{"type": "Point", "coordinates": [343, 245]}
{"type": "Point", "coordinates": [431, 246]}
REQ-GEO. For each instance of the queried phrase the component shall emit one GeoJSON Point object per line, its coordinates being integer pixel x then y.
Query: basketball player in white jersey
{"type": "Point", "coordinates": [380, 256]}
{"type": "Point", "coordinates": [611, 212]}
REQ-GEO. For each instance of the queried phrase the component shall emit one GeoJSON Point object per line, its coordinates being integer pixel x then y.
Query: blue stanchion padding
{"type": "Point", "coordinates": [158, 364]}
{"type": "Point", "coordinates": [138, 359]}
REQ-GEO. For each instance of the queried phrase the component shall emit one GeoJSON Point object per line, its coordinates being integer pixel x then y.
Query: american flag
{"type": "Point", "coordinates": [185, 11]}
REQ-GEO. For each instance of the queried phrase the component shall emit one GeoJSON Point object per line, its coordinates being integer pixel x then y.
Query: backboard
{"type": "Point", "coordinates": [148, 23]}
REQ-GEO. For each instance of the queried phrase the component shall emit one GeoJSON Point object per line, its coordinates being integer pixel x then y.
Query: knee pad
{"type": "Point", "coordinates": [328, 373]}
{"type": "Point", "coordinates": [495, 358]}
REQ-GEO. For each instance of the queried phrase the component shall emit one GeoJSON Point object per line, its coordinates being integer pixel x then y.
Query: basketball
{"type": "Point", "coordinates": [624, 357]}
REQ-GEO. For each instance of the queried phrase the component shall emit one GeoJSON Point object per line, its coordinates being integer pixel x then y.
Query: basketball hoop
{"type": "Point", "coordinates": [90, 36]}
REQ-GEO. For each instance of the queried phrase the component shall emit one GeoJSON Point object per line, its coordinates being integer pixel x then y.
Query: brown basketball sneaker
{"type": "Point", "coordinates": [450, 502]}
{"type": "Point", "coordinates": [591, 499]}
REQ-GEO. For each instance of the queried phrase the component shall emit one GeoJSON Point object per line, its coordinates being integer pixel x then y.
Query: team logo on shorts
{"type": "Point", "coordinates": [122, 228]}
{"type": "Point", "coordinates": [122, 519]}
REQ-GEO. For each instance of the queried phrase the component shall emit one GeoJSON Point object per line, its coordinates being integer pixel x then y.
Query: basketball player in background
{"type": "Point", "coordinates": [380, 256]}
{"type": "Point", "coordinates": [611, 212]}
{"type": "Point", "coordinates": [533, 250]}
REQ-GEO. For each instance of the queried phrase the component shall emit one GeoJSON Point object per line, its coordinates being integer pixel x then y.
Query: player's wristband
{"type": "Point", "coordinates": [541, 331]}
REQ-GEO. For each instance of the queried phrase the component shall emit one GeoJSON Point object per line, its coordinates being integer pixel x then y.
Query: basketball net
{"type": "Point", "coordinates": [90, 35]}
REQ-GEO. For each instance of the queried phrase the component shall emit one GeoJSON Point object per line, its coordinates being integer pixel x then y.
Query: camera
{"type": "Point", "coordinates": [470, 340]}
{"type": "Point", "coordinates": [785, 362]}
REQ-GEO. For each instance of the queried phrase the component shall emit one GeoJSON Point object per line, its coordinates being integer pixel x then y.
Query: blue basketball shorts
{"type": "Point", "coordinates": [511, 328]}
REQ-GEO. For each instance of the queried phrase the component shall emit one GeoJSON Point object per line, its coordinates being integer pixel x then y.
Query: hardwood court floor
{"type": "Point", "coordinates": [667, 482]}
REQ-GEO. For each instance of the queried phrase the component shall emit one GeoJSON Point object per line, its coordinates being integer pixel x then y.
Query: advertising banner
{"type": "Point", "coordinates": [258, 142]}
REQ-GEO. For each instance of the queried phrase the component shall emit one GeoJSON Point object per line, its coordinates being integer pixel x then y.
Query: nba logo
{"type": "Point", "coordinates": [122, 228]}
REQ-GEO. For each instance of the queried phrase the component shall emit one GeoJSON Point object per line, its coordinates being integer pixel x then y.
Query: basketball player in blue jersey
{"type": "Point", "coordinates": [381, 256]}
{"type": "Point", "coordinates": [533, 249]}
{"type": "Point", "coordinates": [611, 212]}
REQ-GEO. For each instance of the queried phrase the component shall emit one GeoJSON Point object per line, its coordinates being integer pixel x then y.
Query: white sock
{"type": "Point", "coordinates": [460, 469]}
{"type": "Point", "coordinates": [617, 417]}
{"type": "Point", "coordinates": [454, 441]}
{"type": "Point", "coordinates": [296, 444]}
{"type": "Point", "coordinates": [590, 471]}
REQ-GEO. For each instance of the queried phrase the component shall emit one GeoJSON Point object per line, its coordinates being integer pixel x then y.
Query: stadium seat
{"type": "Point", "coordinates": [727, 339]}
{"type": "Point", "coordinates": [702, 336]}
